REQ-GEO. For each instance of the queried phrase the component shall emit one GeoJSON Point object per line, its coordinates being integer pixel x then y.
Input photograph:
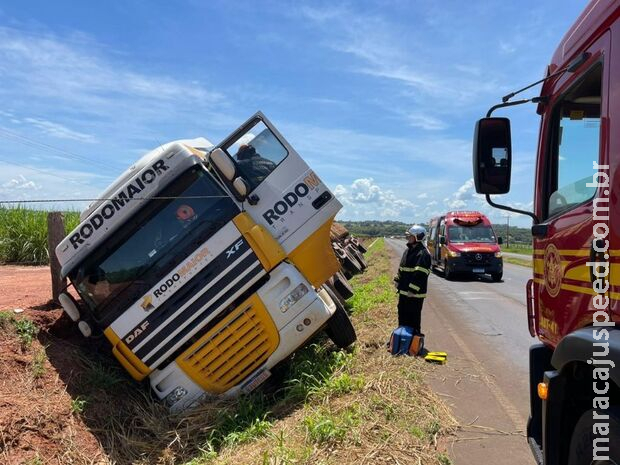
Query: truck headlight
{"type": "Point", "coordinates": [453, 253]}
{"type": "Point", "coordinates": [291, 299]}
{"type": "Point", "coordinates": [498, 255]}
{"type": "Point", "coordinates": [176, 395]}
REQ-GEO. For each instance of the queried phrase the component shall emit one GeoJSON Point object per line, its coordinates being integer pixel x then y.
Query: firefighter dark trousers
{"type": "Point", "coordinates": [410, 312]}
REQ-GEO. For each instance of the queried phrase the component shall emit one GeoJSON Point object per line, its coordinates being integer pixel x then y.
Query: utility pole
{"type": "Point", "coordinates": [507, 231]}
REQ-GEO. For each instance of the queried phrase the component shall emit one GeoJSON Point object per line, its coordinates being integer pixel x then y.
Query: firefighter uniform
{"type": "Point", "coordinates": [411, 282]}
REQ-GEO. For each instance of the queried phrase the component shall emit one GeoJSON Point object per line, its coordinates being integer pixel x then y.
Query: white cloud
{"type": "Point", "coordinates": [364, 199]}
{"type": "Point", "coordinates": [60, 131]}
{"type": "Point", "coordinates": [423, 195]}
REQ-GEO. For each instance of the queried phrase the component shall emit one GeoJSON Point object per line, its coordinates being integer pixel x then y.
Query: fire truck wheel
{"type": "Point", "coordinates": [582, 440]}
{"type": "Point", "coordinates": [339, 327]}
{"type": "Point", "coordinates": [496, 277]}
{"type": "Point", "coordinates": [343, 286]}
{"type": "Point", "coordinates": [446, 272]}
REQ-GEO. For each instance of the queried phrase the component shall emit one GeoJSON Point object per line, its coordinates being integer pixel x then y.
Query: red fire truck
{"type": "Point", "coordinates": [464, 242]}
{"type": "Point", "coordinates": [574, 296]}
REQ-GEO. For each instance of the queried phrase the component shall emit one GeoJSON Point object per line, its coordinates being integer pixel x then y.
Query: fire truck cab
{"type": "Point", "coordinates": [465, 242]}
{"type": "Point", "coordinates": [573, 298]}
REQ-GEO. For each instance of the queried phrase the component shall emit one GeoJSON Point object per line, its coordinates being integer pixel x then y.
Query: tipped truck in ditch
{"type": "Point", "coordinates": [204, 266]}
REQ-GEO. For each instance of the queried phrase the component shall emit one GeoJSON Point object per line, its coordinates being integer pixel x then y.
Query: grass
{"type": "Point", "coordinates": [525, 250]}
{"type": "Point", "coordinates": [38, 363]}
{"type": "Point", "coordinates": [26, 331]}
{"type": "Point", "coordinates": [518, 261]}
{"type": "Point", "coordinates": [326, 405]}
{"type": "Point", "coordinates": [23, 235]}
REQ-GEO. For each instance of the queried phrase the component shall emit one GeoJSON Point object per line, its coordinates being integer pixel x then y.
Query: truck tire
{"type": "Point", "coordinates": [446, 271]}
{"type": "Point", "coordinates": [334, 294]}
{"type": "Point", "coordinates": [351, 264]}
{"type": "Point", "coordinates": [360, 258]}
{"type": "Point", "coordinates": [339, 327]}
{"type": "Point", "coordinates": [496, 277]}
{"type": "Point", "coordinates": [581, 442]}
{"type": "Point", "coordinates": [343, 286]}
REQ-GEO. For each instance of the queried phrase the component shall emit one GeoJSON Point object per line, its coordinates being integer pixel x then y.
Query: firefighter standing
{"type": "Point", "coordinates": [412, 279]}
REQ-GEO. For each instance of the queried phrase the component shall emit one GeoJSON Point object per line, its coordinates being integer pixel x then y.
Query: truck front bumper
{"type": "Point", "coordinates": [491, 265]}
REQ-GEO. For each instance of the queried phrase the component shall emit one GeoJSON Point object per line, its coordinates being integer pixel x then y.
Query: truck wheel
{"type": "Point", "coordinates": [351, 264]}
{"type": "Point", "coordinates": [360, 258]}
{"type": "Point", "coordinates": [339, 328]}
{"type": "Point", "coordinates": [582, 440]}
{"type": "Point", "coordinates": [446, 271]}
{"type": "Point", "coordinates": [361, 248]}
{"type": "Point", "coordinates": [333, 293]}
{"type": "Point", "coordinates": [343, 286]}
{"type": "Point", "coordinates": [496, 277]}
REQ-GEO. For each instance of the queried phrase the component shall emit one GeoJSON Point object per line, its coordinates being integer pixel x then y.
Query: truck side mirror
{"type": "Point", "coordinates": [224, 165]}
{"type": "Point", "coordinates": [442, 240]}
{"type": "Point", "coordinates": [492, 156]}
{"type": "Point", "coordinates": [241, 188]}
{"type": "Point", "coordinates": [500, 241]}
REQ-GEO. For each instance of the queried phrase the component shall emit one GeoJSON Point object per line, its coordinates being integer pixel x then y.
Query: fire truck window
{"type": "Point", "coordinates": [257, 153]}
{"type": "Point", "coordinates": [576, 144]}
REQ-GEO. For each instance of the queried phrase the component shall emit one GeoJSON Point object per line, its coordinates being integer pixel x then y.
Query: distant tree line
{"type": "Point", "coordinates": [375, 228]}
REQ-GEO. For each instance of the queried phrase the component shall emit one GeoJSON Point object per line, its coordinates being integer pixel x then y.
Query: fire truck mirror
{"type": "Point", "coordinates": [492, 155]}
{"type": "Point", "coordinates": [241, 187]}
{"type": "Point", "coordinates": [500, 241]}
{"type": "Point", "coordinates": [442, 240]}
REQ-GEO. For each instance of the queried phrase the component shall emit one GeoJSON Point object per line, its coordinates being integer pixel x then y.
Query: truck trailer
{"type": "Point", "coordinates": [203, 265]}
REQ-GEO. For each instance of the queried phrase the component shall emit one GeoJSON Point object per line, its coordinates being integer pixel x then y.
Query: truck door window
{"type": "Point", "coordinates": [256, 152]}
{"type": "Point", "coordinates": [576, 141]}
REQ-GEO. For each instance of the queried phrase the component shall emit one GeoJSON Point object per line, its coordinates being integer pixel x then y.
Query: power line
{"type": "Point", "coordinates": [188, 197]}
{"type": "Point", "coordinates": [10, 135]}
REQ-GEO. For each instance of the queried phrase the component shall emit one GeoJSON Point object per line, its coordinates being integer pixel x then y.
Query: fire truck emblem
{"type": "Point", "coordinates": [553, 270]}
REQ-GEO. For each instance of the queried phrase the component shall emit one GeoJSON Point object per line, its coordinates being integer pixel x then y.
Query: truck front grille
{"type": "Point", "coordinates": [233, 349]}
{"type": "Point", "coordinates": [478, 258]}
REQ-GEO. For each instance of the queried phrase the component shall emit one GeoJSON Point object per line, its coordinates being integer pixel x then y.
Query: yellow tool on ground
{"type": "Point", "coordinates": [440, 358]}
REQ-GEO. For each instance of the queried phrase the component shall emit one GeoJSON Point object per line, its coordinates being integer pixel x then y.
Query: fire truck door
{"type": "Point", "coordinates": [285, 195]}
{"type": "Point", "coordinates": [574, 126]}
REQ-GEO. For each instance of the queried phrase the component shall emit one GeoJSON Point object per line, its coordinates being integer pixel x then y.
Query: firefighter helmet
{"type": "Point", "coordinates": [416, 230]}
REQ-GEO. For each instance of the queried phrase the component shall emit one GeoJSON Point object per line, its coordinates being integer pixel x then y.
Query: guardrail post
{"type": "Point", "coordinates": [55, 234]}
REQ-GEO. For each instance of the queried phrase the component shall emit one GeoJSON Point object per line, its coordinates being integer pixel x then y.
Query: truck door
{"type": "Point", "coordinates": [284, 194]}
{"type": "Point", "coordinates": [567, 200]}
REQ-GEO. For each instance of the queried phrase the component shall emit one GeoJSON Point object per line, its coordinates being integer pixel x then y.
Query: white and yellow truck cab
{"type": "Point", "coordinates": [202, 265]}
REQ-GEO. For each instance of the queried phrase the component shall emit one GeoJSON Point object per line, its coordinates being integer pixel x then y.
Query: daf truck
{"type": "Point", "coordinates": [573, 298]}
{"type": "Point", "coordinates": [203, 265]}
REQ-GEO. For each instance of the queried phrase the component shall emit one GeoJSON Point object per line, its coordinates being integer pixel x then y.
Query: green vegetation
{"type": "Point", "coordinates": [26, 331]}
{"type": "Point", "coordinates": [78, 404]}
{"type": "Point", "coordinates": [525, 250]}
{"type": "Point", "coordinates": [518, 261]}
{"type": "Point", "coordinates": [375, 228]}
{"type": "Point", "coordinates": [38, 363]}
{"type": "Point", "coordinates": [23, 234]}
{"type": "Point", "coordinates": [324, 426]}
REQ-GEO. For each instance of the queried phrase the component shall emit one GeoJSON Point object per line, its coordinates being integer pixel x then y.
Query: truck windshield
{"type": "Point", "coordinates": [152, 242]}
{"type": "Point", "coordinates": [478, 233]}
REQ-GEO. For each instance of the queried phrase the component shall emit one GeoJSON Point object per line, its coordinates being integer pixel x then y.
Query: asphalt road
{"type": "Point", "coordinates": [483, 327]}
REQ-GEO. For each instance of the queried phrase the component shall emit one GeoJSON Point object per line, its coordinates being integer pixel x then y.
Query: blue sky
{"type": "Point", "coordinates": [380, 97]}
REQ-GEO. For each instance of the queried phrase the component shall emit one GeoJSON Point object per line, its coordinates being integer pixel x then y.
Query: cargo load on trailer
{"type": "Point", "coordinates": [204, 265]}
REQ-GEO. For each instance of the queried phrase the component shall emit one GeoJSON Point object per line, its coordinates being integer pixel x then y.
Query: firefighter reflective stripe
{"type": "Point", "coordinates": [414, 287]}
{"type": "Point", "coordinates": [411, 294]}
{"type": "Point", "coordinates": [415, 268]}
